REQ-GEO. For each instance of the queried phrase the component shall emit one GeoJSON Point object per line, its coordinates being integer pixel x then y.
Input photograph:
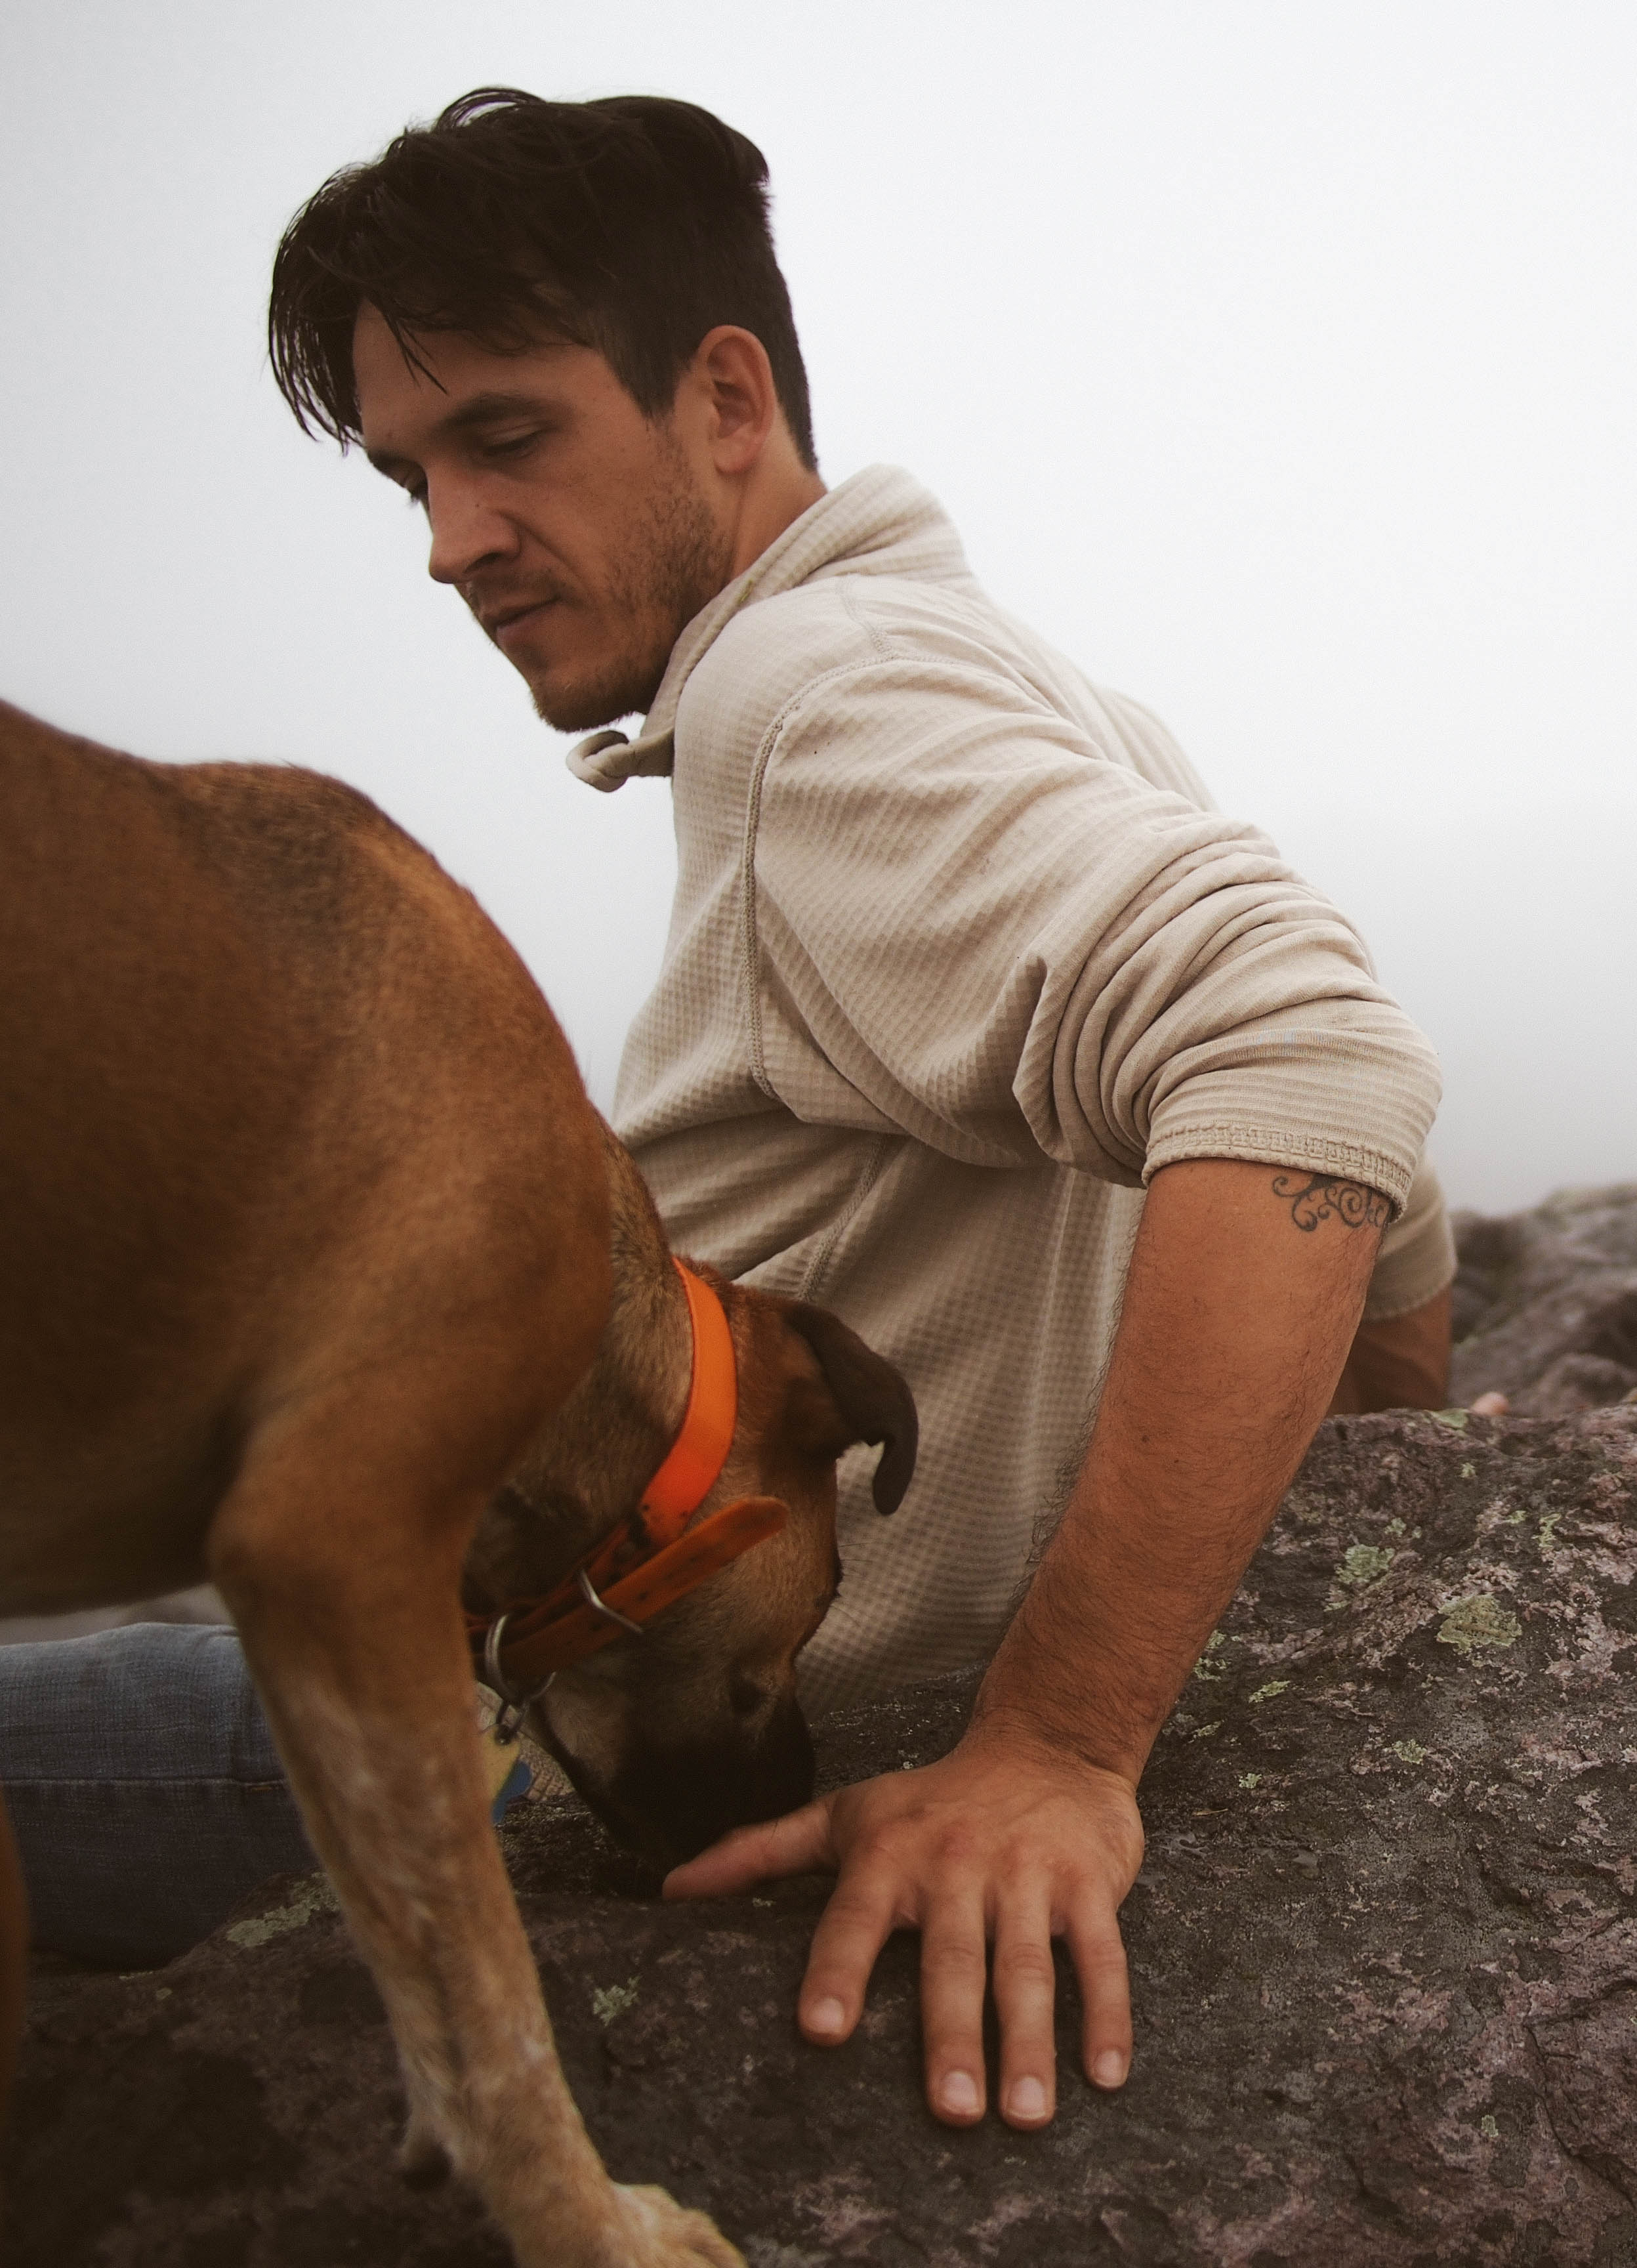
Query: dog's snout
{"type": "Point", "coordinates": [672, 1803]}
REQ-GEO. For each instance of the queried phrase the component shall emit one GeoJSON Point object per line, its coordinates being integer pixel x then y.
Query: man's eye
{"type": "Point", "coordinates": [510, 445]}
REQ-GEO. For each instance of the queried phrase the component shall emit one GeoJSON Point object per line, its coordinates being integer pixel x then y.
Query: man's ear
{"type": "Point", "coordinates": [732, 365]}
{"type": "Point", "coordinates": [875, 1402]}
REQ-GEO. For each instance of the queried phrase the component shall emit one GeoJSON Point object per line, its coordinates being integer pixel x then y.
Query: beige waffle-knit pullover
{"type": "Point", "coordinates": [960, 955]}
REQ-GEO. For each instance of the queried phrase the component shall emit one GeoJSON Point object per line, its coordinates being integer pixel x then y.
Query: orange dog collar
{"type": "Point", "coordinates": [699, 1451]}
{"type": "Point", "coordinates": [654, 1558]}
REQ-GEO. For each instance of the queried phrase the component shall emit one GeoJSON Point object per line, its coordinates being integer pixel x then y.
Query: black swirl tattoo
{"type": "Point", "coordinates": [1325, 1198]}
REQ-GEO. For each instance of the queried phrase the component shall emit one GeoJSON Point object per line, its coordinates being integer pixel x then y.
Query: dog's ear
{"type": "Point", "coordinates": [872, 1397]}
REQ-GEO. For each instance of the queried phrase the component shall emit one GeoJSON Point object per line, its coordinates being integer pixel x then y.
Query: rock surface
{"type": "Point", "coordinates": [1545, 1304]}
{"type": "Point", "coordinates": [1384, 1950]}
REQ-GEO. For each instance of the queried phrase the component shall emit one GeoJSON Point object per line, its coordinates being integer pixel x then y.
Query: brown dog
{"type": "Point", "coordinates": [307, 1285]}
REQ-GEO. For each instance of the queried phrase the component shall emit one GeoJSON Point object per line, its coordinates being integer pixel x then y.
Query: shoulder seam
{"type": "Point", "coordinates": [884, 649]}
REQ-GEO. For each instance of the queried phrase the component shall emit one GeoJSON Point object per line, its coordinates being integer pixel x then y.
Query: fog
{"type": "Point", "coordinates": [1277, 362]}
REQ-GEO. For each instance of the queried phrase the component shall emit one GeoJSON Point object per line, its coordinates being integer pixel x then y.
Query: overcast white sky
{"type": "Point", "coordinates": [1278, 361]}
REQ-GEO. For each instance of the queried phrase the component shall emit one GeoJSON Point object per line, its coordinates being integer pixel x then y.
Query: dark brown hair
{"type": "Point", "coordinates": [632, 224]}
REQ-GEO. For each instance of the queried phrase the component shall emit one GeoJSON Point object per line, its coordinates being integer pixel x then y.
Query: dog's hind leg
{"type": "Point", "coordinates": [340, 1557]}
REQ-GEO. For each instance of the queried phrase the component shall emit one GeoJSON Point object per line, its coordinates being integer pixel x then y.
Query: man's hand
{"type": "Point", "coordinates": [1004, 1842]}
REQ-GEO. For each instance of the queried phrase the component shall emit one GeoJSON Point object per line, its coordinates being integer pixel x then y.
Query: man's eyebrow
{"type": "Point", "coordinates": [492, 408]}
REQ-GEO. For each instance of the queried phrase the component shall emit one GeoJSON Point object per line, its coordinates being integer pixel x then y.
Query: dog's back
{"type": "Point", "coordinates": [260, 1061]}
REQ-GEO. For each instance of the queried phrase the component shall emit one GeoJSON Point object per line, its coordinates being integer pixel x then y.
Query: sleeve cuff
{"type": "Point", "coordinates": [1298, 1153]}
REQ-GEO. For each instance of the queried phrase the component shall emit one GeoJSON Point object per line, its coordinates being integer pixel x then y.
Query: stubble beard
{"type": "Point", "coordinates": [678, 560]}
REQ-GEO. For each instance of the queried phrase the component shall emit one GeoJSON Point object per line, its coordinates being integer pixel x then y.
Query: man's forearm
{"type": "Point", "coordinates": [1245, 1288]}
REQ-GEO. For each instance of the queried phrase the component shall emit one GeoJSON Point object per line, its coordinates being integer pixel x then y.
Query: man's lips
{"type": "Point", "coordinates": [499, 621]}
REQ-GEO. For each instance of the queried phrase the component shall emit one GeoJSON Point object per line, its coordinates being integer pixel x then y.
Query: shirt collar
{"type": "Point", "coordinates": [879, 522]}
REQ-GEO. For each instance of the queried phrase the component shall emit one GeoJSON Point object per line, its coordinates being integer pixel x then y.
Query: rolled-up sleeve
{"type": "Point", "coordinates": [966, 921]}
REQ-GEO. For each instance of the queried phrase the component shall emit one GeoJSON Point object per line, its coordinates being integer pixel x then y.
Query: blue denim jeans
{"type": "Point", "coordinates": [144, 1789]}
{"type": "Point", "coordinates": [143, 1786]}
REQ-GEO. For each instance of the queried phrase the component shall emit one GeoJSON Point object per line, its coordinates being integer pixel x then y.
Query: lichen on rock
{"type": "Point", "coordinates": [1363, 1563]}
{"type": "Point", "coordinates": [1477, 1621]}
{"type": "Point", "coordinates": [311, 1897]}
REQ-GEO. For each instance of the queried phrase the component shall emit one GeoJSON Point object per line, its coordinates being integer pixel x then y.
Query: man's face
{"type": "Point", "coordinates": [579, 531]}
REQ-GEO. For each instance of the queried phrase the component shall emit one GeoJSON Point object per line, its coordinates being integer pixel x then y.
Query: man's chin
{"type": "Point", "coordinates": [576, 715]}
{"type": "Point", "coordinates": [580, 707]}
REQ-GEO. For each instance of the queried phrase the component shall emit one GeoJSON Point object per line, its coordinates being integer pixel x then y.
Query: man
{"type": "Point", "coordinates": [962, 964]}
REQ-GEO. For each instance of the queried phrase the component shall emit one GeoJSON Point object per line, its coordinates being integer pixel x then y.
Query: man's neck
{"type": "Point", "coordinates": [774, 503]}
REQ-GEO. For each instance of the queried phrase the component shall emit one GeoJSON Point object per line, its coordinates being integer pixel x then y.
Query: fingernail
{"type": "Point", "coordinates": [959, 2093]}
{"type": "Point", "coordinates": [1109, 2070]}
{"type": "Point", "coordinates": [1027, 2099]}
{"type": "Point", "coordinates": [826, 2016]}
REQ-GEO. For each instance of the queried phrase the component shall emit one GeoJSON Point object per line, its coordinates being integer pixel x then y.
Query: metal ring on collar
{"type": "Point", "coordinates": [514, 1705]}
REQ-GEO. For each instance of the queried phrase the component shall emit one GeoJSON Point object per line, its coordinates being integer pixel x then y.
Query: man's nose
{"type": "Point", "coordinates": [466, 532]}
